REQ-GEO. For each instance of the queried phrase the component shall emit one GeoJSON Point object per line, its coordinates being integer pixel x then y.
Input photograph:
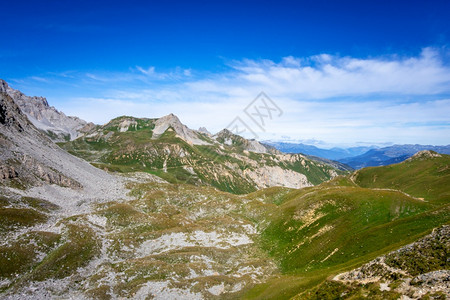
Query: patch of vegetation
{"type": "Point", "coordinates": [122, 214]}
{"type": "Point", "coordinates": [17, 217]}
{"type": "Point", "coordinates": [79, 247]}
{"type": "Point", "coordinates": [22, 255]}
{"type": "Point", "coordinates": [54, 136]}
{"type": "Point", "coordinates": [314, 171]}
{"type": "Point", "coordinates": [39, 204]}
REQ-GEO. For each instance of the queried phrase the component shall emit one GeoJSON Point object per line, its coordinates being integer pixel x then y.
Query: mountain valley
{"type": "Point", "coordinates": [148, 208]}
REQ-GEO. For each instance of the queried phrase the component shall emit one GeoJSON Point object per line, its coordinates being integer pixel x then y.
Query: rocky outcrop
{"type": "Point", "coordinates": [46, 118]}
{"type": "Point", "coordinates": [126, 123]}
{"type": "Point", "coordinates": [10, 114]}
{"type": "Point", "coordinates": [424, 154]}
{"type": "Point", "coordinates": [225, 136]}
{"type": "Point", "coordinates": [29, 165]}
{"type": "Point", "coordinates": [269, 176]}
{"type": "Point", "coordinates": [7, 172]}
{"type": "Point", "coordinates": [181, 130]}
{"type": "Point", "coordinates": [427, 273]}
{"type": "Point", "coordinates": [31, 161]}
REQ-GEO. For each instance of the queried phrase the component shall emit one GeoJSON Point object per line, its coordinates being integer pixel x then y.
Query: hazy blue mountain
{"type": "Point", "coordinates": [389, 155]}
{"type": "Point", "coordinates": [333, 153]}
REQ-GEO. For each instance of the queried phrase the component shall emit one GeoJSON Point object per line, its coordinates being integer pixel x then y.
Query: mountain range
{"type": "Point", "coordinates": [389, 155]}
{"type": "Point", "coordinates": [47, 119]}
{"type": "Point", "coordinates": [167, 148]}
{"type": "Point", "coordinates": [362, 156]}
{"type": "Point", "coordinates": [335, 153]}
{"type": "Point", "coordinates": [148, 208]}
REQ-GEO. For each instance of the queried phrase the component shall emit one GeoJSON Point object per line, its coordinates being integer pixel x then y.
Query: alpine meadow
{"type": "Point", "coordinates": [320, 168]}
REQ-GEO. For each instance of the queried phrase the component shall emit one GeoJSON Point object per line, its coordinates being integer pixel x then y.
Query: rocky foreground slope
{"type": "Point", "coordinates": [420, 270]}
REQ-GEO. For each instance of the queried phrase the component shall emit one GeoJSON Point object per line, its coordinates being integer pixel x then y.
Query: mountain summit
{"type": "Point", "coordinates": [181, 130]}
{"type": "Point", "coordinates": [46, 118]}
{"type": "Point", "coordinates": [225, 136]}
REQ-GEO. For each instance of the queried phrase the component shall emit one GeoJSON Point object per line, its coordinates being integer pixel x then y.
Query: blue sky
{"type": "Point", "coordinates": [341, 71]}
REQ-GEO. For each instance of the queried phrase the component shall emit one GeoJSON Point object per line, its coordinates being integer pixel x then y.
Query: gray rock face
{"type": "Point", "coordinates": [29, 159]}
{"type": "Point", "coordinates": [189, 135]}
{"type": "Point", "coordinates": [432, 276]}
{"type": "Point", "coordinates": [205, 131]}
{"type": "Point", "coordinates": [227, 137]}
{"type": "Point", "coordinates": [46, 118]}
{"type": "Point", "coordinates": [7, 172]}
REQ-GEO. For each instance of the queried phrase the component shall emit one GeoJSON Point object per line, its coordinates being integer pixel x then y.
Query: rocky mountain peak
{"type": "Point", "coordinates": [424, 154]}
{"type": "Point", "coordinates": [227, 137]}
{"type": "Point", "coordinates": [46, 118]}
{"type": "Point", "coordinates": [181, 130]}
{"type": "Point", "coordinates": [10, 114]}
{"type": "Point", "coordinates": [224, 133]}
{"type": "Point", "coordinates": [204, 130]}
{"type": "Point", "coordinates": [20, 98]}
{"type": "Point", "coordinates": [3, 86]}
{"type": "Point", "coordinates": [170, 119]}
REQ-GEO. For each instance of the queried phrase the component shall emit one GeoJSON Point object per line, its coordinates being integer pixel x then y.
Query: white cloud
{"type": "Point", "coordinates": [149, 71]}
{"type": "Point", "coordinates": [326, 97]}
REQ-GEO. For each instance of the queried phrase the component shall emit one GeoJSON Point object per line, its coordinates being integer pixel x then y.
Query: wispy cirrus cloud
{"type": "Point", "coordinates": [328, 97]}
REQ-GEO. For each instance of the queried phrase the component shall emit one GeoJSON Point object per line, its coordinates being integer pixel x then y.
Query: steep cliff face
{"type": "Point", "coordinates": [17, 165]}
{"type": "Point", "coordinates": [31, 164]}
{"type": "Point", "coordinates": [10, 114]}
{"type": "Point", "coordinates": [49, 120]}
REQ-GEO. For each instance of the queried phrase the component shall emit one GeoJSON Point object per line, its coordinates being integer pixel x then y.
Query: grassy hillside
{"type": "Point", "coordinates": [337, 225]}
{"type": "Point", "coordinates": [321, 231]}
{"type": "Point", "coordinates": [419, 270]}
{"type": "Point", "coordinates": [425, 176]}
{"type": "Point", "coordinates": [224, 163]}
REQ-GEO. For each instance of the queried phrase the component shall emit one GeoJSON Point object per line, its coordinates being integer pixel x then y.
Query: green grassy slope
{"type": "Point", "coordinates": [224, 166]}
{"type": "Point", "coordinates": [402, 271]}
{"type": "Point", "coordinates": [320, 231]}
{"type": "Point", "coordinates": [421, 176]}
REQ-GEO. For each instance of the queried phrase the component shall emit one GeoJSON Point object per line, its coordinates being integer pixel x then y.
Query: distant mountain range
{"type": "Point", "coordinates": [335, 153]}
{"type": "Point", "coordinates": [360, 157]}
{"type": "Point", "coordinates": [389, 155]}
